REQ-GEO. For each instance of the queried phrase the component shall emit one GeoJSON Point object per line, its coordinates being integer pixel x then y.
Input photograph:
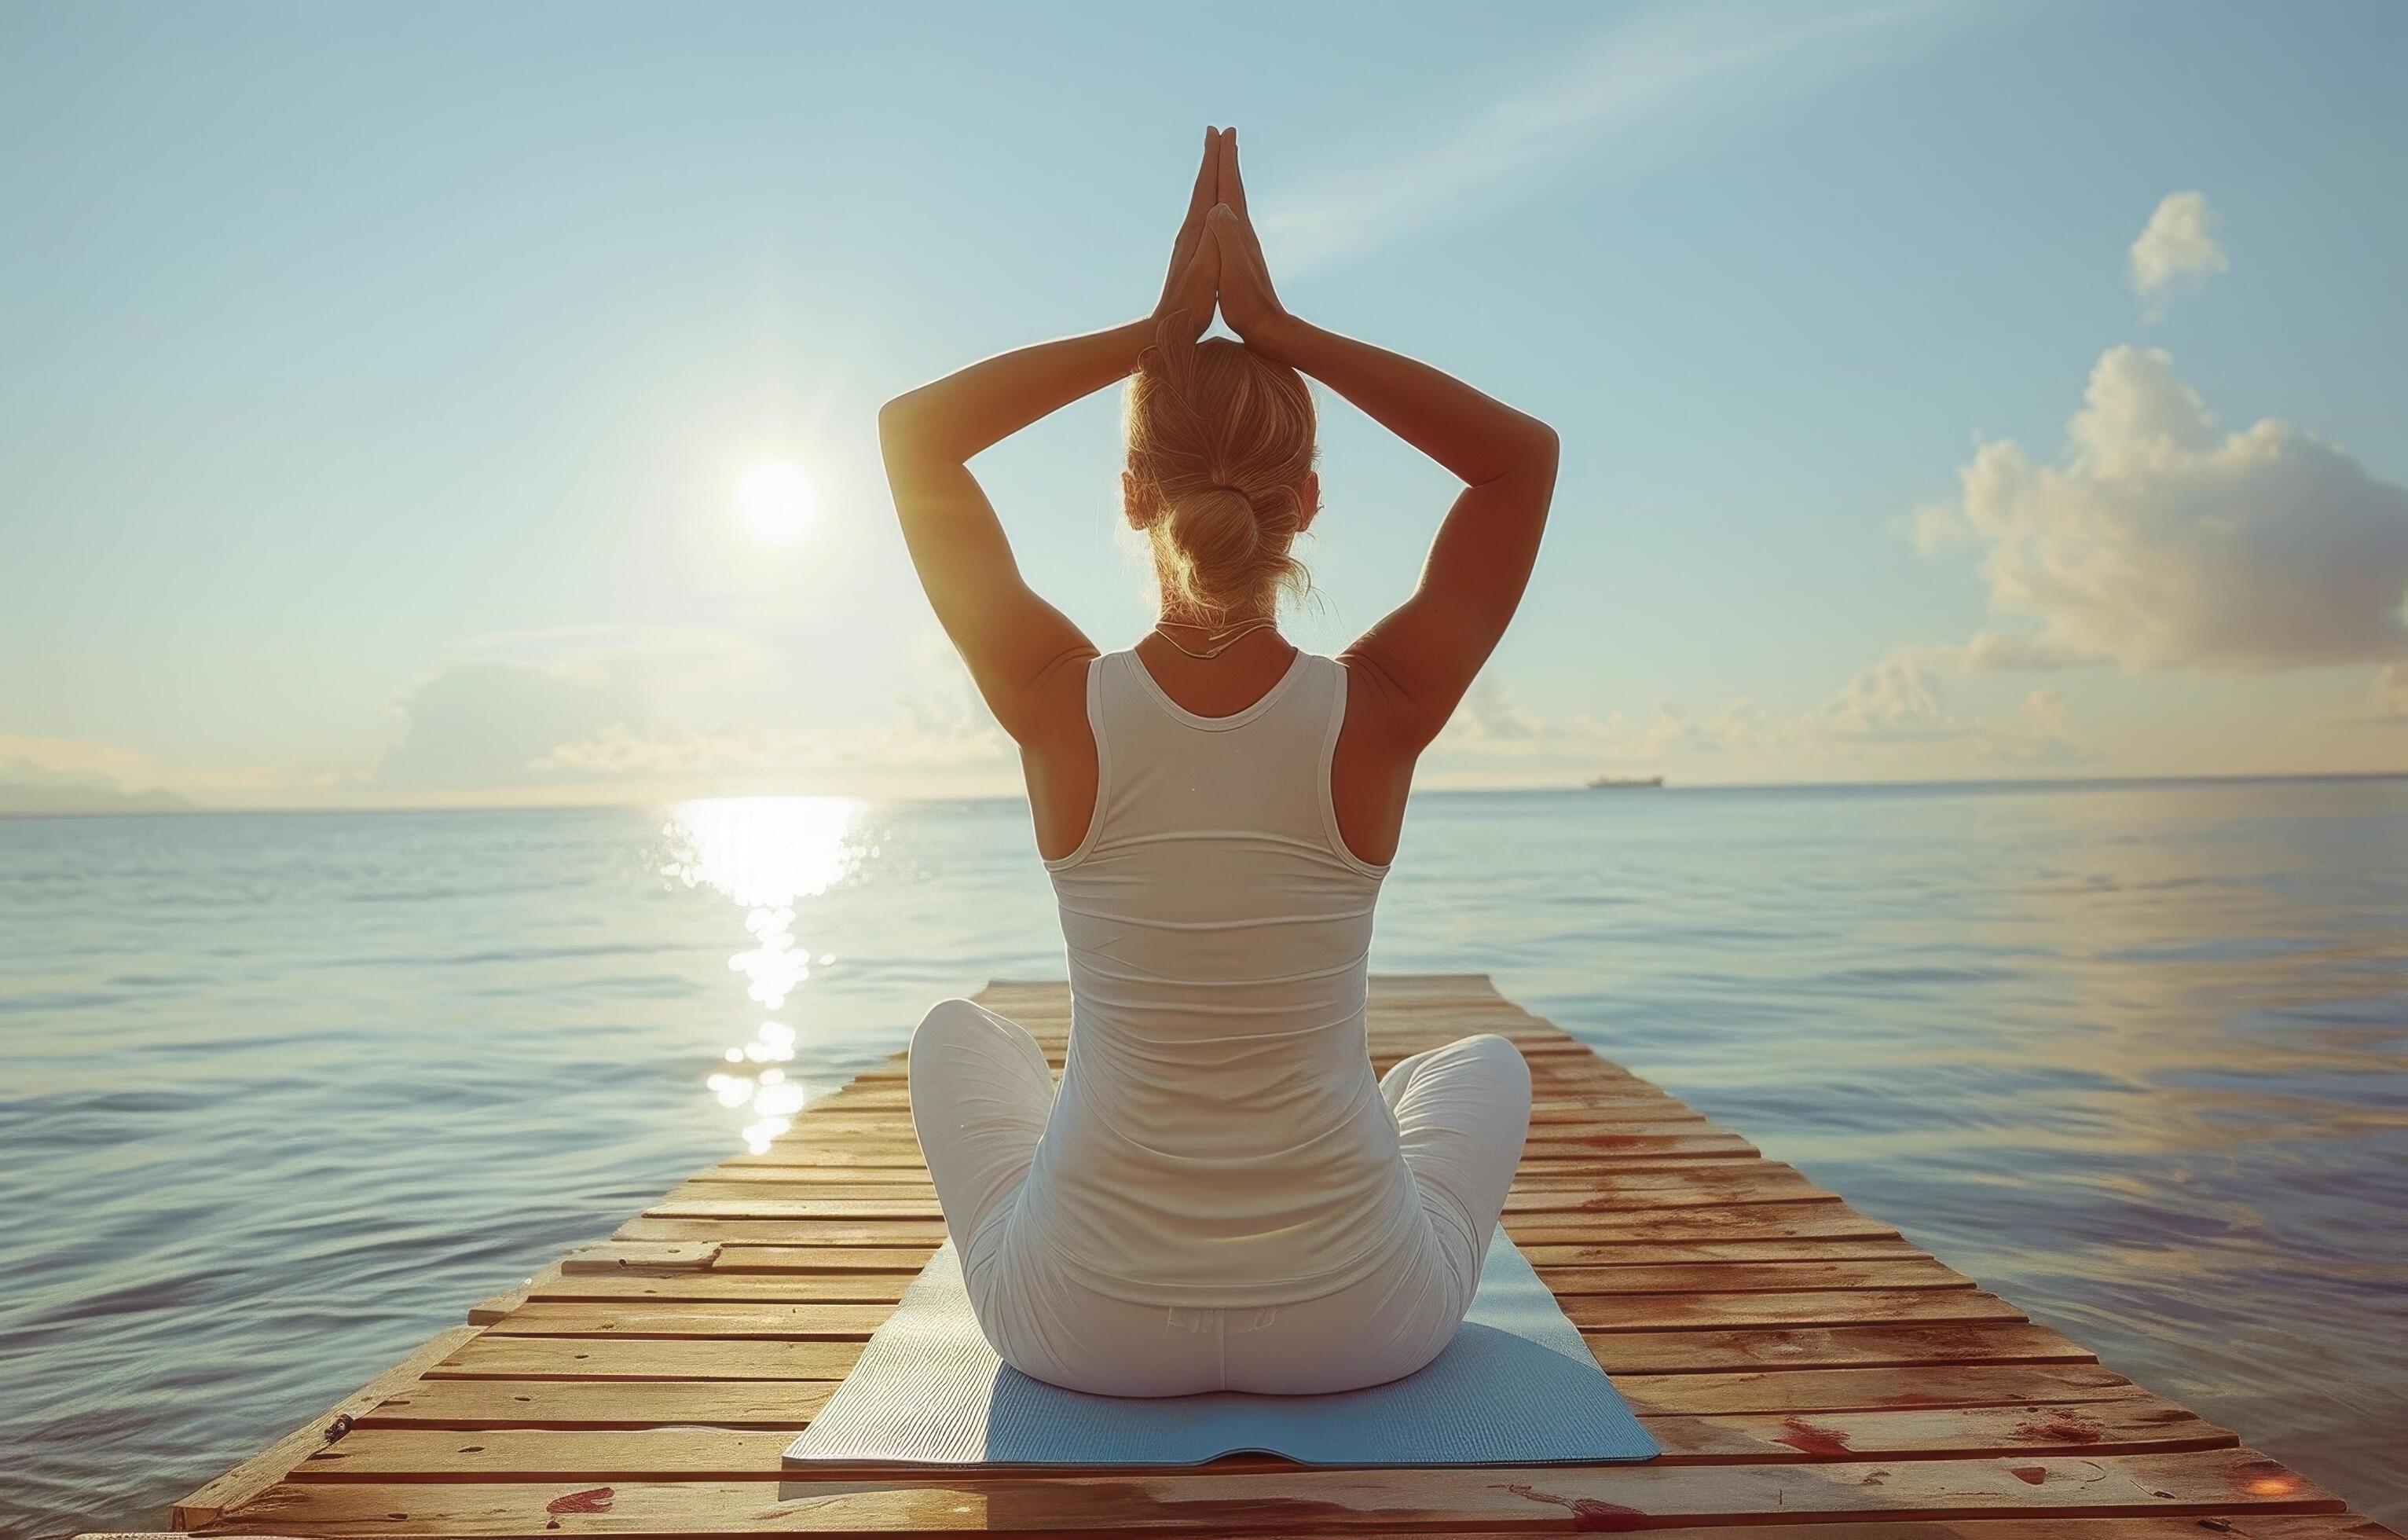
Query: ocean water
{"type": "Point", "coordinates": [280, 1095]}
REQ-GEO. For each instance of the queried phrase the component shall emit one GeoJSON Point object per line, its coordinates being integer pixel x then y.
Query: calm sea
{"type": "Point", "coordinates": [280, 1095]}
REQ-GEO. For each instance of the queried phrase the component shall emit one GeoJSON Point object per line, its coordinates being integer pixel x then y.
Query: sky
{"type": "Point", "coordinates": [1972, 390]}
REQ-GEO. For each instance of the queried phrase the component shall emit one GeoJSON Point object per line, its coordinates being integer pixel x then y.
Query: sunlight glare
{"type": "Point", "coordinates": [776, 501]}
{"type": "Point", "coordinates": [764, 854]}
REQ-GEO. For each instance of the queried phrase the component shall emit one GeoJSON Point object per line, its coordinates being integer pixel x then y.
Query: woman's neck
{"type": "Point", "coordinates": [1218, 686]}
{"type": "Point", "coordinates": [1198, 626]}
{"type": "Point", "coordinates": [1185, 617]}
{"type": "Point", "coordinates": [1206, 637]}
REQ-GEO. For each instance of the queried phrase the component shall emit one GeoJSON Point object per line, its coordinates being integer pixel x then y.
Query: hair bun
{"type": "Point", "coordinates": [1217, 527]}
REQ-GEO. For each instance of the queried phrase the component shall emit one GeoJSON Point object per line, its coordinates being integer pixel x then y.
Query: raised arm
{"type": "Point", "coordinates": [1016, 643]}
{"type": "Point", "coordinates": [1425, 654]}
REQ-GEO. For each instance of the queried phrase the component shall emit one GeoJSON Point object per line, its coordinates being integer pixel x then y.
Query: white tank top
{"type": "Point", "coordinates": [1219, 1138]}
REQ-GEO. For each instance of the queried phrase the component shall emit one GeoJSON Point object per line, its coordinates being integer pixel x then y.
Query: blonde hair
{"type": "Point", "coordinates": [1220, 441]}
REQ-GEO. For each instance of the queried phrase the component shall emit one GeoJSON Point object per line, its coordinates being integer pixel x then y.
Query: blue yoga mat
{"type": "Point", "coordinates": [1515, 1387]}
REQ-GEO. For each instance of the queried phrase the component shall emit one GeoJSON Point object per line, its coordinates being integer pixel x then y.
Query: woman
{"type": "Point", "coordinates": [1223, 1195]}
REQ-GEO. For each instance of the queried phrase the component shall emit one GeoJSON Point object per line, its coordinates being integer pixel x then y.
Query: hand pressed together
{"type": "Point", "coordinates": [1194, 257]}
{"type": "Point", "coordinates": [1217, 259]}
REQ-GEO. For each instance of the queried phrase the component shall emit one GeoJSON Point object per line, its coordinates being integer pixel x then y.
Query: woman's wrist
{"type": "Point", "coordinates": [1279, 336]}
{"type": "Point", "coordinates": [1194, 324]}
{"type": "Point", "coordinates": [1118, 348]}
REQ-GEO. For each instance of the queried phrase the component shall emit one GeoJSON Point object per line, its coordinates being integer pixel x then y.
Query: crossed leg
{"type": "Point", "coordinates": [1463, 1112]}
{"type": "Point", "coordinates": [981, 1092]}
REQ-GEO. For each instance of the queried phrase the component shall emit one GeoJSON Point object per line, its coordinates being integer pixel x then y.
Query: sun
{"type": "Point", "coordinates": [775, 500]}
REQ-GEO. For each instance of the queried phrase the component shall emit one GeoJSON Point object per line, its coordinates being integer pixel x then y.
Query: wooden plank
{"type": "Point", "coordinates": [1594, 1313]}
{"type": "Point", "coordinates": [1540, 1049]}
{"type": "Point", "coordinates": [1629, 1253]}
{"type": "Point", "coordinates": [766, 1319]}
{"type": "Point", "coordinates": [1546, 1142]}
{"type": "Point", "coordinates": [494, 1306]}
{"type": "Point", "coordinates": [612, 1256]}
{"type": "Point", "coordinates": [1649, 1190]}
{"type": "Point", "coordinates": [501, 1402]}
{"type": "Point", "coordinates": [1565, 1187]}
{"type": "Point", "coordinates": [1575, 1187]}
{"type": "Point", "coordinates": [790, 1288]}
{"type": "Point", "coordinates": [750, 1321]}
{"type": "Point", "coordinates": [255, 1475]}
{"type": "Point", "coordinates": [2133, 1425]}
{"type": "Point", "coordinates": [2129, 1425]}
{"type": "Point", "coordinates": [1807, 1369]}
{"type": "Point", "coordinates": [739, 1257]}
{"type": "Point", "coordinates": [1831, 1348]}
{"type": "Point", "coordinates": [886, 1111]}
{"type": "Point", "coordinates": [1566, 1282]}
{"type": "Point", "coordinates": [896, 1164]}
{"type": "Point", "coordinates": [1737, 1222]}
{"type": "Point", "coordinates": [483, 1405]}
{"type": "Point", "coordinates": [1582, 1133]}
{"type": "Point", "coordinates": [1749, 1277]}
{"type": "Point", "coordinates": [2201, 1482]}
{"type": "Point", "coordinates": [500, 1353]}
{"type": "Point", "coordinates": [646, 1358]}
{"type": "Point", "coordinates": [821, 1259]}
{"type": "Point", "coordinates": [1817, 1391]}
{"type": "Point", "coordinates": [1825, 1218]}
{"type": "Point", "coordinates": [889, 1163]}
{"type": "Point", "coordinates": [2229, 1526]}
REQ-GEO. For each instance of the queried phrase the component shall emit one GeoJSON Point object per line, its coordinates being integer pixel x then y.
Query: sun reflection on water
{"type": "Point", "coordinates": [765, 853]}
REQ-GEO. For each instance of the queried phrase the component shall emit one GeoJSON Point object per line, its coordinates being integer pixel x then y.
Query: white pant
{"type": "Point", "coordinates": [981, 1092]}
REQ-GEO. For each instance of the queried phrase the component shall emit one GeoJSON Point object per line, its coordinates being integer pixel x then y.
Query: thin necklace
{"type": "Point", "coordinates": [1229, 635]}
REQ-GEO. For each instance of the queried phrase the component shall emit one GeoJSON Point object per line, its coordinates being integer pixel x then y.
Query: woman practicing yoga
{"type": "Point", "coordinates": [1222, 1195]}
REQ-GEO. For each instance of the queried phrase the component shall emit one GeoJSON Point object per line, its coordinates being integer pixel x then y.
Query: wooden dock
{"type": "Point", "coordinates": [1801, 1364]}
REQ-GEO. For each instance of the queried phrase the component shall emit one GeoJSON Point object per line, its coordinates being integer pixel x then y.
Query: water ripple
{"type": "Point", "coordinates": [285, 1094]}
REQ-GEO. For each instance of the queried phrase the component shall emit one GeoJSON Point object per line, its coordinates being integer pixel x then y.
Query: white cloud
{"type": "Point", "coordinates": [1932, 528]}
{"type": "Point", "coordinates": [2018, 651]}
{"type": "Point", "coordinates": [2044, 729]}
{"type": "Point", "coordinates": [671, 713]}
{"type": "Point", "coordinates": [45, 757]}
{"type": "Point", "coordinates": [1898, 697]}
{"type": "Point", "coordinates": [1489, 715]}
{"type": "Point", "coordinates": [1625, 83]}
{"type": "Point", "coordinates": [59, 775]}
{"type": "Point", "coordinates": [489, 720]}
{"type": "Point", "coordinates": [2177, 246]}
{"type": "Point", "coordinates": [1741, 728]}
{"type": "Point", "coordinates": [1902, 701]}
{"type": "Point", "coordinates": [758, 754]}
{"type": "Point", "coordinates": [2158, 542]}
{"type": "Point", "coordinates": [2389, 707]}
{"type": "Point", "coordinates": [1892, 720]}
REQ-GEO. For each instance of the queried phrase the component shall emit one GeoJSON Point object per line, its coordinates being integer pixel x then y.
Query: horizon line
{"type": "Point", "coordinates": [643, 804]}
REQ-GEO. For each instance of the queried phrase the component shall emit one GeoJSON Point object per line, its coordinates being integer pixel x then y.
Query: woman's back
{"type": "Point", "coordinates": [1219, 1138]}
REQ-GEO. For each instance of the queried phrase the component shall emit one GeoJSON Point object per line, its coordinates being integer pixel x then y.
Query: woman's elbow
{"type": "Point", "coordinates": [1524, 449]}
{"type": "Point", "coordinates": [902, 423]}
{"type": "Point", "coordinates": [1544, 446]}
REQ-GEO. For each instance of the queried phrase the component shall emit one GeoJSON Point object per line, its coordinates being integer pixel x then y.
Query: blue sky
{"type": "Point", "coordinates": [374, 380]}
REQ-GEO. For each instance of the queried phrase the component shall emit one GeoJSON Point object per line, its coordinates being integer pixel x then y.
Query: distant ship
{"type": "Point", "coordinates": [1625, 783]}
